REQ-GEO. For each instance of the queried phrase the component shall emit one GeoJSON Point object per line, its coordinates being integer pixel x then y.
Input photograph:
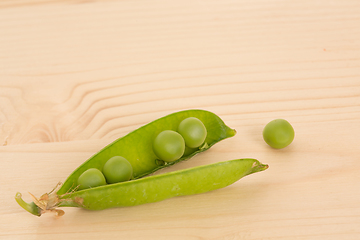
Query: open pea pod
{"type": "Point", "coordinates": [136, 147]}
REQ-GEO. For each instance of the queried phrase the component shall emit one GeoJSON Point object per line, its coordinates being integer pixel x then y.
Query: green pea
{"type": "Point", "coordinates": [169, 146]}
{"type": "Point", "coordinates": [91, 178]}
{"type": "Point", "coordinates": [117, 169]}
{"type": "Point", "coordinates": [278, 133]}
{"type": "Point", "coordinates": [193, 131]}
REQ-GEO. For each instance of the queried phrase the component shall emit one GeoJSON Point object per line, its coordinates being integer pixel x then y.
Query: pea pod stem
{"type": "Point", "coordinates": [30, 207]}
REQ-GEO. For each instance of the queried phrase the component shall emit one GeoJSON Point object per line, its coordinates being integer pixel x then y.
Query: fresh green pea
{"type": "Point", "coordinates": [169, 145]}
{"type": "Point", "coordinates": [278, 133]}
{"type": "Point", "coordinates": [193, 131]}
{"type": "Point", "coordinates": [117, 169]}
{"type": "Point", "coordinates": [91, 178]}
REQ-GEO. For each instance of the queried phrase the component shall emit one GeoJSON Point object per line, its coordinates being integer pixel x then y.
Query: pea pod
{"type": "Point", "coordinates": [136, 147]}
{"type": "Point", "coordinates": [163, 186]}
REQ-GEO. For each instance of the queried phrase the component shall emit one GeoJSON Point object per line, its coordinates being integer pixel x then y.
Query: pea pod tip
{"type": "Point", "coordinates": [232, 132]}
{"type": "Point", "coordinates": [258, 167]}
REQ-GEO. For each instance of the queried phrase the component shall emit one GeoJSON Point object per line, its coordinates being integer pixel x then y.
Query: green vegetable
{"type": "Point", "coordinates": [137, 148]}
{"type": "Point", "coordinates": [193, 131]}
{"type": "Point", "coordinates": [91, 178]}
{"type": "Point", "coordinates": [169, 146]}
{"type": "Point", "coordinates": [163, 186]}
{"type": "Point", "coordinates": [117, 169]}
{"type": "Point", "coordinates": [278, 133]}
{"type": "Point", "coordinates": [159, 187]}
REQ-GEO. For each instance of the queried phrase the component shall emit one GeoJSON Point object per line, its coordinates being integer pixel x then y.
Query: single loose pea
{"type": "Point", "coordinates": [278, 133]}
{"type": "Point", "coordinates": [117, 169]}
{"type": "Point", "coordinates": [169, 146]}
{"type": "Point", "coordinates": [193, 131]}
{"type": "Point", "coordinates": [92, 177]}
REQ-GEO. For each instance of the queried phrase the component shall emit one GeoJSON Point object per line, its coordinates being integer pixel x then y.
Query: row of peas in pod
{"type": "Point", "coordinates": [116, 169]}
{"type": "Point", "coordinates": [168, 146]}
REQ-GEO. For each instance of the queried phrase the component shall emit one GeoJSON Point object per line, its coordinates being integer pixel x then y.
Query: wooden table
{"type": "Point", "coordinates": [76, 75]}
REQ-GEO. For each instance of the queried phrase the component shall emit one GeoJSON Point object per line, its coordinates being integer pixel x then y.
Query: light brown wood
{"type": "Point", "coordinates": [76, 75]}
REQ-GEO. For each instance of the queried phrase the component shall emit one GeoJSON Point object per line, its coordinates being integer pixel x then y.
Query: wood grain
{"type": "Point", "coordinates": [76, 75]}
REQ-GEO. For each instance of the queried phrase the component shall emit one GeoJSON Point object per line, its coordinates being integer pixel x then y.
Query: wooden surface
{"type": "Point", "coordinates": [76, 75]}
